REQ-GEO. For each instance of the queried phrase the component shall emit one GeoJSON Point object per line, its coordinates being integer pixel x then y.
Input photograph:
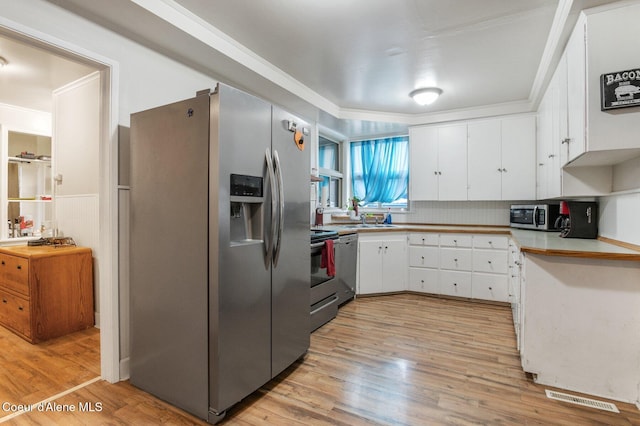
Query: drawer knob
{"type": "Point", "coordinates": [19, 266]}
{"type": "Point", "coordinates": [488, 261]}
{"type": "Point", "coordinates": [455, 284]}
{"type": "Point", "coordinates": [455, 260]}
{"type": "Point", "coordinates": [3, 262]}
{"type": "Point", "coordinates": [4, 300]}
{"type": "Point", "coordinates": [20, 308]}
{"type": "Point", "coordinates": [490, 288]}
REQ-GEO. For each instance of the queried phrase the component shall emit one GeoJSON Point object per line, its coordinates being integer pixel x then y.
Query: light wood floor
{"type": "Point", "coordinates": [400, 359]}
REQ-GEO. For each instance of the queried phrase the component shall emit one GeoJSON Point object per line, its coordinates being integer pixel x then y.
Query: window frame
{"type": "Point", "coordinates": [332, 174]}
{"type": "Point", "coordinates": [381, 207]}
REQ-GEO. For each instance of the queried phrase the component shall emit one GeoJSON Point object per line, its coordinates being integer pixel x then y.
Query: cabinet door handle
{"type": "Point", "coordinates": [489, 262]}
{"type": "Point", "coordinates": [566, 140]}
{"type": "Point", "coordinates": [455, 260]}
{"type": "Point", "coordinates": [490, 288]}
{"type": "Point", "coordinates": [455, 284]}
{"type": "Point", "coordinates": [19, 266]}
{"type": "Point", "coordinates": [435, 173]}
{"type": "Point", "coordinates": [20, 308]}
{"type": "Point", "coordinates": [4, 300]}
{"type": "Point", "coordinates": [3, 262]}
{"type": "Point", "coordinates": [504, 170]}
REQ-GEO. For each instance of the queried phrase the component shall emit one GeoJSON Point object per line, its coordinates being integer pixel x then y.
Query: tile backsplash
{"type": "Point", "coordinates": [457, 213]}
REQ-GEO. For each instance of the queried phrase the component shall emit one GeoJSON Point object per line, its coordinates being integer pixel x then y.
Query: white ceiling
{"type": "Point", "coordinates": [369, 54]}
{"type": "Point", "coordinates": [32, 74]}
{"type": "Point", "coordinates": [355, 61]}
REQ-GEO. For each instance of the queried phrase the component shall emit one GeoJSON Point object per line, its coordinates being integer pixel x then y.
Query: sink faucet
{"type": "Point", "coordinates": [362, 216]}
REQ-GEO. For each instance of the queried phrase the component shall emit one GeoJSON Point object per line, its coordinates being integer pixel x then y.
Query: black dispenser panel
{"type": "Point", "coordinates": [246, 186]}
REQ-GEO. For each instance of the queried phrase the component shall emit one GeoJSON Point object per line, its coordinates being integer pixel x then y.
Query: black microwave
{"type": "Point", "coordinates": [541, 217]}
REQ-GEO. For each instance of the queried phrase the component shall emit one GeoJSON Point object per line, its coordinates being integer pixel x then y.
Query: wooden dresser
{"type": "Point", "coordinates": [45, 291]}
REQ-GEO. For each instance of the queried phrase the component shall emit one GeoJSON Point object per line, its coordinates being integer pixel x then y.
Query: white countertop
{"type": "Point", "coordinates": [537, 242]}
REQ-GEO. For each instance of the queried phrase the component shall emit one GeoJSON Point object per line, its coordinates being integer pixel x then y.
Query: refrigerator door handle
{"type": "Point", "coordinates": [269, 245]}
{"type": "Point", "coordinates": [278, 171]}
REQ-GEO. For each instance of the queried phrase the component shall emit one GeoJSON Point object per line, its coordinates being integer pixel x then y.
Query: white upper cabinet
{"type": "Point", "coordinates": [601, 44]}
{"type": "Point", "coordinates": [518, 158]}
{"type": "Point", "coordinates": [502, 159]}
{"type": "Point", "coordinates": [575, 57]}
{"type": "Point", "coordinates": [485, 164]}
{"type": "Point", "coordinates": [438, 162]}
{"type": "Point", "coordinates": [552, 130]}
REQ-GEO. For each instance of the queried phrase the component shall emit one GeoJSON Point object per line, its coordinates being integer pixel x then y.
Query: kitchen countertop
{"type": "Point", "coordinates": [536, 242]}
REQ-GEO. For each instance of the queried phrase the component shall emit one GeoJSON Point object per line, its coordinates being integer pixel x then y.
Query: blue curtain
{"type": "Point", "coordinates": [380, 169]}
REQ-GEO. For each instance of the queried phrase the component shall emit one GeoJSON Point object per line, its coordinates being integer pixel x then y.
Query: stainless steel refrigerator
{"type": "Point", "coordinates": [219, 248]}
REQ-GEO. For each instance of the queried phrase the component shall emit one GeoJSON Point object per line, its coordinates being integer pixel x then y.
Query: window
{"type": "Point", "coordinates": [330, 171]}
{"type": "Point", "coordinates": [380, 172]}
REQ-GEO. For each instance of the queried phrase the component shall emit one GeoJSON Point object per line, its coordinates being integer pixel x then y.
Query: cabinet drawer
{"type": "Point", "coordinates": [493, 261]}
{"type": "Point", "coordinates": [455, 240]}
{"type": "Point", "coordinates": [423, 257]}
{"type": "Point", "coordinates": [423, 280]}
{"type": "Point", "coordinates": [14, 273]}
{"type": "Point", "coordinates": [490, 287]}
{"type": "Point", "coordinates": [15, 313]}
{"type": "Point", "coordinates": [454, 283]}
{"type": "Point", "coordinates": [423, 239]}
{"type": "Point", "coordinates": [498, 242]}
{"type": "Point", "coordinates": [455, 259]}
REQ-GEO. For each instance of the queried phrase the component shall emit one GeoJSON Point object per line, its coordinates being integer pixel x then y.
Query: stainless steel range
{"type": "Point", "coordinates": [324, 287]}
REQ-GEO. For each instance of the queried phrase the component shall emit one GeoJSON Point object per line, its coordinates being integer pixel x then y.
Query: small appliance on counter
{"type": "Point", "coordinates": [539, 217]}
{"type": "Point", "coordinates": [578, 219]}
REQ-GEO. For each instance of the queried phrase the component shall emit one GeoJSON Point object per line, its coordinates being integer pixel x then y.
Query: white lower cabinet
{"type": "Point", "coordinates": [490, 267]}
{"type": "Point", "coordinates": [382, 263]}
{"type": "Point", "coordinates": [455, 283]}
{"type": "Point", "coordinates": [424, 280]}
{"type": "Point", "coordinates": [490, 287]}
{"type": "Point", "coordinates": [462, 265]}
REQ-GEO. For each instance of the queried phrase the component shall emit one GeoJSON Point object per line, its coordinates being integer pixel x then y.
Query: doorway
{"type": "Point", "coordinates": [105, 245]}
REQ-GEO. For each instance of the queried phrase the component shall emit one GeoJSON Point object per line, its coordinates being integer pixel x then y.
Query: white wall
{"type": "Point", "coordinates": [457, 212]}
{"type": "Point", "coordinates": [619, 212]}
{"type": "Point", "coordinates": [141, 79]}
{"type": "Point", "coordinates": [146, 78]}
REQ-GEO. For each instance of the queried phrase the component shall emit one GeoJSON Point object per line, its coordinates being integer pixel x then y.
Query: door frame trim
{"type": "Point", "coordinates": [108, 184]}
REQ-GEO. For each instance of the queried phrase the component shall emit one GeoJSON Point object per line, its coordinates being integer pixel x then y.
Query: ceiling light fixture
{"type": "Point", "coordinates": [426, 96]}
{"type": "Point", "coordinates": [3, 62]}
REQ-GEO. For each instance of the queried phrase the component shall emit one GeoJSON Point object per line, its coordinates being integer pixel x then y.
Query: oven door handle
{"type": "Point", "coordinates": [317, 245]}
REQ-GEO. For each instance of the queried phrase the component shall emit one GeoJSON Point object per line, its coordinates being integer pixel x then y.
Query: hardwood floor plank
{"type": "Point", "coordinates": [403, 359]}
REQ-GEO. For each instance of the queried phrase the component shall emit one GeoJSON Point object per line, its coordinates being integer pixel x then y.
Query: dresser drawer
{"type": "Point", "coordinates": [455, 259]}
{"type": "Point", "coordinates": [14, 273]}
{"type": "Point", "coordinates": [15, 313]}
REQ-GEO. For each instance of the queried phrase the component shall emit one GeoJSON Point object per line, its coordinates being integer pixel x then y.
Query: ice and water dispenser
{"type": "Point", "coordinates": [247, 209]}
